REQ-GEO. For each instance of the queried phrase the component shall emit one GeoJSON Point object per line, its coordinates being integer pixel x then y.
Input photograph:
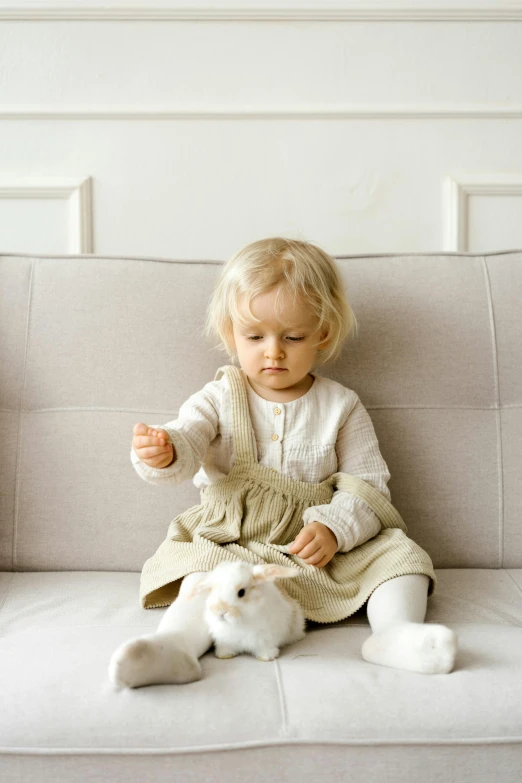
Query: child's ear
{"type": "Point", "coordinates": [230, 338]}
{"type": "Point", "coordinates": [324, 341]}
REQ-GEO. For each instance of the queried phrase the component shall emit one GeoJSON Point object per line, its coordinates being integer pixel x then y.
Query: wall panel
{"type": "Point", "coordinates": [202, 128]}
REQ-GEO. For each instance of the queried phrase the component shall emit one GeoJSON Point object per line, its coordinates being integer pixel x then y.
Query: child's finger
{"type": "Point", "coordinates": [305, 536]}
{"type": "Point", "coordinates": [160, 434]}
{"type": "Point", "coordinates": [141, 441]}
{"type": "Point", "coordinates": [154, 432]}
{"type": "Point", "coordinates": [154, 451]}
{"type": "Point", "coordinates": [140, 429]}
{"type": "Point", "coordinates": [321, 564]}
{"type": "Point", "coordinates": [318, 561]}
{"type": "Point", "coordinates": [309, 550]}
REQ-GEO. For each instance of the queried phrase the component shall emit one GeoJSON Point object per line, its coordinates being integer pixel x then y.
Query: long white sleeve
{"type": "Point", "coordinates": [195, 428]}
{"type": "Point", "coordinates": [340, 437]}
{"type": "Point", "coordinates": [349, 517]}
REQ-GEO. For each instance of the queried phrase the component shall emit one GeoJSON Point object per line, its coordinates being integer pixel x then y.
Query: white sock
{"type": "Point", "coordinates": [171, 654]}
{"type": "Point", "coordinates": [428, 649]}
{"type": "Point", "coordinates": [400, 639]}
{"type": "Point", "coordinates": [153, 659]}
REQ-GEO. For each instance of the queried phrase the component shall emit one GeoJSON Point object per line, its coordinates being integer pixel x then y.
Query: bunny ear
{"type": "Point", "coordinates": [272, 571]}
{"type": "Point", "coordinates": [201, 587]}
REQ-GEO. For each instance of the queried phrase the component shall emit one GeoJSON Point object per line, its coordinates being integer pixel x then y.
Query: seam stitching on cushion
{"type": "Point", "coordinates": [514, 581]}
{"type": "Point", "coordinates": [21, 407]}
{"type": "Point", "coordinates": [401, 741]}
{"type": "Point", "coordinates": [282, 700]}
{"type": "Point", "coordinates": [4, 598]}
{"type": "Point", "coordinates": [94, 257]}
{"type": "Point", "coordinates": [118, 258]}
{"type": "Point", "coordinates": [174, 415]}
{"type": "Point", "coordinates": [440, 407]}
{"type": "Point", "coordinates": [94, 408]}
{"type": "Point", "coordinates": [500, 461]}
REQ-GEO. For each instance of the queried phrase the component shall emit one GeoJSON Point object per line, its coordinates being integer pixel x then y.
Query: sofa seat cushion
{"type": "Point", "coordinates": [58, 631]}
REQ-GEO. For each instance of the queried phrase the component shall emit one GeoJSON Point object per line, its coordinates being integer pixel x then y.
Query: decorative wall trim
{"type": "Point", "coordinates": [78, 192]}
{"type": "Point", "coordinates": [246, 112]}
{"type": "Point", "coordinates": [391, 11]}
{"type": "Point", "coordinates": [455, 202]}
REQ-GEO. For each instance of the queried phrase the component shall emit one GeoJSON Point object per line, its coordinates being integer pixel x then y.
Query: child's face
{"type": "Point", "coordinates": [271, 344]}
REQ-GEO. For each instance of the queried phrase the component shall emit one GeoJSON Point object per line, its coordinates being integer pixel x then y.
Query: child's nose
{"type": "Point", "coordinates": [274, 348]}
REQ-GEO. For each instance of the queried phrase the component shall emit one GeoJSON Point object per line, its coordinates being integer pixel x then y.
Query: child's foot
{"type": "Point", "coordinates": [153, 659]}
{"type": "Point", "coordinates": [428, 649]}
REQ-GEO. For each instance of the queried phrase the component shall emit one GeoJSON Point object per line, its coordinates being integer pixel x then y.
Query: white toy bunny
{"type": "Point", "coordinates": [247, 612]}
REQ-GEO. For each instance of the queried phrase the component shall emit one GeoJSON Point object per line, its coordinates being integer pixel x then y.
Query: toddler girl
{"type": "Point", "coordinates": [290, 472]}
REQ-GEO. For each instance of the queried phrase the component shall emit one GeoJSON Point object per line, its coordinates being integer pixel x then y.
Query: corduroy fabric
{"type": "Point", "coordinates": [254, 513]}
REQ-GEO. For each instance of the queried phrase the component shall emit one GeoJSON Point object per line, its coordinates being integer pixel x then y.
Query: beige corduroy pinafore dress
{"type": "Point", "coordinates": [255, 513]}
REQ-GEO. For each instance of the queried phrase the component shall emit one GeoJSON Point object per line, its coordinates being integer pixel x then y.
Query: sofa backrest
{"type": "Point", "coordinates": [90, 345]}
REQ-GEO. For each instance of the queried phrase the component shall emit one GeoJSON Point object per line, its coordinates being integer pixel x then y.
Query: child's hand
{"type": "Point", "coordinates": [316, 544]}
{"type": "Point", "coordinates": [152, 446]}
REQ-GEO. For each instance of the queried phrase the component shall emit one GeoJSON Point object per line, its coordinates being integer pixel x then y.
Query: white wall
{"type": "Point", "coordinates": [185, 134]}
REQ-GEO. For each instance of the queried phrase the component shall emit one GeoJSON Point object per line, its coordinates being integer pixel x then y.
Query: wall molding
{"type": "Point", "coordinates": [247, 112]}
{"type": "Point", "coordinates": [77, 191]}
{"type": "Point", "coordinates": [385, 10]}
{"type": "Point", "coordinates": [456, 192]}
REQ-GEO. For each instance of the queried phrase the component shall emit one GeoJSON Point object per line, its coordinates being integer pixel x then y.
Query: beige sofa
{"type": "Point", "coordinates": [91, 345]}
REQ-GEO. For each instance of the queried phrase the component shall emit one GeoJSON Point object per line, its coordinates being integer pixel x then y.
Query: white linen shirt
{"type": "Point", "coordinates": [325, 431]}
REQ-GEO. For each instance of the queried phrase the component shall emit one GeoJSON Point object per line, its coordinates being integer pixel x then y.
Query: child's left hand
{"type": "Point", "coordinates": [316, 544]}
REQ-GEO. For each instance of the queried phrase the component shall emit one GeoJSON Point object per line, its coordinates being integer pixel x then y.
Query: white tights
{"type": "Point", "coordinates": [399, 600]}
{"type": "Point", "coordinates": [396, 611]}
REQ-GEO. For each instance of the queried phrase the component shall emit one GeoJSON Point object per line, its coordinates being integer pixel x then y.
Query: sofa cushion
{"type": "Point", "coordinates": [58, 632]}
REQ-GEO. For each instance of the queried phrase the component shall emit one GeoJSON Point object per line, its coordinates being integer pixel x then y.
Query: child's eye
{"type": "Point", "coordinates": [293, 339]}
{"type": "Point", "coordinates": [241, 593]}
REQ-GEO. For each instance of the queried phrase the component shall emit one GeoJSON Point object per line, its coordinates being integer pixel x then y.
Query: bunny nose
{"type": "Point", "coordinates": [220, 609]}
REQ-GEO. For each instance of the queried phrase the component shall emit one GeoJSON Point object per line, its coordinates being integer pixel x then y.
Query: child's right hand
{"type": "Point", "coordinates": [152, 446]}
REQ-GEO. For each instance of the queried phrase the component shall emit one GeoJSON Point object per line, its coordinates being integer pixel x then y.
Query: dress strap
{"type": "Point", "coordinates": [245, 449]}
{"type": "Point", "coordinates": [378, 503]}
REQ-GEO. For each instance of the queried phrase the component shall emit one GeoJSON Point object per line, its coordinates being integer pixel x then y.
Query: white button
{"type": "Point", "coordinates": [275, 437]}
{"type": "Point", "coordinates": [277, 411]}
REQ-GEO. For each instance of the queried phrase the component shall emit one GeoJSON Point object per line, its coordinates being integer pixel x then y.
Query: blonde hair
{"type": "Point", "coordinates": [298, 267]}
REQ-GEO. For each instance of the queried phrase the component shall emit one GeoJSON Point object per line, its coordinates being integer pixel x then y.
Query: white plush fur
{"type": "Point", "coordinates": [247, 612]}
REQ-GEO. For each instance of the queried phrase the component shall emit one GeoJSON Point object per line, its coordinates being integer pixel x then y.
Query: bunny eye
{"type": "Point", "coordinates": [241, 593]}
